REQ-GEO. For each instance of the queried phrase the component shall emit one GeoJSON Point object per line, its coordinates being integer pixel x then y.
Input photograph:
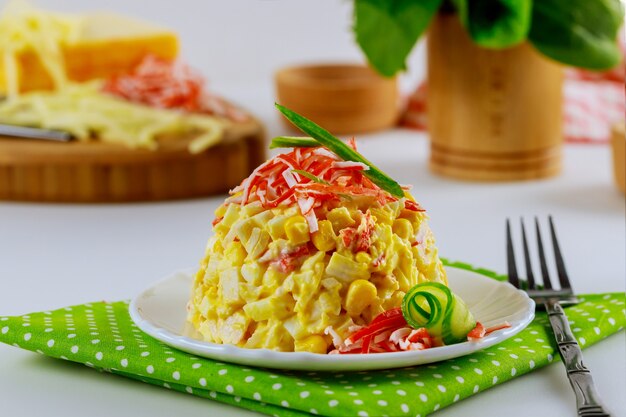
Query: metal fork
{"type": "Point", "coordinates": [546, 296]}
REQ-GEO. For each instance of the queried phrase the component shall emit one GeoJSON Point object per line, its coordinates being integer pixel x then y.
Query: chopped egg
{"type": "Point", "coordinates": [287, 276]}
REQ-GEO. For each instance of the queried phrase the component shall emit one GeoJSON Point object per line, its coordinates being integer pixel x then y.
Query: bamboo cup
{"type": "Point", "coordinates": [494, 115]}
{"type": "Point", "coordinates": [344, 98]}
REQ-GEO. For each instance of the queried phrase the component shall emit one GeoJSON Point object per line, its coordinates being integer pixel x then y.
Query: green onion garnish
{"type": "Point", "coordinates": [310, 176]}
{"type": "Point", "coordinates": [293, 142]}
{"type": "Point", "coordinates": [325, 138]}
{"type": "Point", "coordinates": [317, 179]}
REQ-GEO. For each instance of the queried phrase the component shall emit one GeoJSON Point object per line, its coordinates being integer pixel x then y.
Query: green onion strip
{"type": "Point", "coordinates": [310, 176]}
{"type": "Point", "coordinates": [293, 142]}
{"type": "Point", "coordinates": [335, 145]}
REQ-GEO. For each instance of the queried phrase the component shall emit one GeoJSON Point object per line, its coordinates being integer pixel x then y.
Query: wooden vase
{"type": "Point", "coordinates": [493, 115]}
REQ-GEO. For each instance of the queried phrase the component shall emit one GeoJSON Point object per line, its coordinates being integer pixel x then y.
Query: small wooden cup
{"type": "Point", "coordinates": [343, 98]}
{"type": "Point", "coordinates": [618, 140]}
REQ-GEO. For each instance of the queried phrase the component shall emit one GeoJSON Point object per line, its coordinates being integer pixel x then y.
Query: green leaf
{"type": "Point", "coordinates": [342, 150]}
{"type": "Point", "coordinates": [581, 33]}
{"type": "Point", "coordinates": [387, 30]}
{"type": "Point", "coordinates": [293, 142]}
{"type": "Point", "coordinates": [496, 23]}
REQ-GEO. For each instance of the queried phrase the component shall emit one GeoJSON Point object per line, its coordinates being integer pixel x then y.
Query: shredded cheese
{"type": "Point", "coordinates": [25, 28]}
{"type": "Point", "coordinates": [83, 111]}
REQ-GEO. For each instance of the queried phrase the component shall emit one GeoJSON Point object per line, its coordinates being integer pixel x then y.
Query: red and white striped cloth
{"type": "Point", "coordinates": [592, 103]}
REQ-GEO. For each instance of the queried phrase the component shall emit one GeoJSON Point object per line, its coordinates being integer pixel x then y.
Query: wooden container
{"type": "Point", "coordinates": [344, 98]}
{"type": "Point", "coordinates": [32, 170]}
{"type": "Point", "coordinates": [494, 115]}
{"type": "Point", "coordinates": [618, 142]}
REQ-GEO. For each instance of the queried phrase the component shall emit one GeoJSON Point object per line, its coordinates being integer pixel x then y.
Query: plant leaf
{"type": "Point", "coordinates": [496, 23]}
{"type": "Point", "coordinates": [387, 30]}
{"type": "Point", "coordinates": [582, 33]}
{"type": "Point", "coordinates": [342, 150]}
{"type": "Point", "coordinates": [293, 142]}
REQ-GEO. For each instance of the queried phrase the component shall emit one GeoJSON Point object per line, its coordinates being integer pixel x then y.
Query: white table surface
{"type": "Point", "coordinates": [56, 255]}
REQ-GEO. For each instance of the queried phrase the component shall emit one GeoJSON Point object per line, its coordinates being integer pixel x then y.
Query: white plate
{"type": "Point", "coordinates": [161, 311]}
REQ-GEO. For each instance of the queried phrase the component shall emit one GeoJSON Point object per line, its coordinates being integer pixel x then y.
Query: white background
{"type": "Point", "coordinates": [57, 255]}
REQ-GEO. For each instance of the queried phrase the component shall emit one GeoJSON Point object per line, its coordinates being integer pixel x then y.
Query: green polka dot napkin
{"type": "Point", "coordinates": [101, 335]}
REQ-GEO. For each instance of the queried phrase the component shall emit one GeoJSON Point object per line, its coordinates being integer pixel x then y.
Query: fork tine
{"type": "Point", "coordinates": [542, 259]}
{"type": "Point", "coordinates": [529, 269]}
{"type": "Point", "coordinates": [510, 257]}
{"type": "Point", "coordinates": [560, 263]}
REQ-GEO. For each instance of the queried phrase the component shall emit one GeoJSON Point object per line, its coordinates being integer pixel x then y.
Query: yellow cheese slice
{"type": "Point", "coordinates": [90, 46]}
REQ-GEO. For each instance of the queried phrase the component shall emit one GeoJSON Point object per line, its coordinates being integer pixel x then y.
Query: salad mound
{"type": "Point", "coordinates": [308, 250]}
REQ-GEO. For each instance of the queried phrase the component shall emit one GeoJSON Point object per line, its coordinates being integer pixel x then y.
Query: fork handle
{"type": "Point", "coordinates": [587, 398]}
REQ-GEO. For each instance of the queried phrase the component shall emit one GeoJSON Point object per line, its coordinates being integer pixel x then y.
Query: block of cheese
{"type": "Point", "coordinates": [98, 45]}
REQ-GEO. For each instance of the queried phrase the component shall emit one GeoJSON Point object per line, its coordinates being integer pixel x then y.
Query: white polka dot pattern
{"type": "Point", "coordinates": [102, 336]}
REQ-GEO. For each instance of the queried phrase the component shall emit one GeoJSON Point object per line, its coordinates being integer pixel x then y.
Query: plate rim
{"type": "Point", "coordinates": [317, 362]}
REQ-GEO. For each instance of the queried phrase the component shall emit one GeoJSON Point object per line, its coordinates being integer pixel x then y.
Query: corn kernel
{"type": "Point", "coordinates": [361, 294]}
{"type": "Point", "coordinates": [324, 239]}
{"type": "Point", "coordinates": [340, 218]}
{"type": "Point", "coordinates": [297, 230]}
{"type": "Point", "coordinates": [403, 228]}
{"type": "Point", "coordinates": [363, 258]}
{"type": "Point", "coordinates": [314, 343]}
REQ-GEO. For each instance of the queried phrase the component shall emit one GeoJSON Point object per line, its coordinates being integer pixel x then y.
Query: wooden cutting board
{"type": "Point", "coordinates": [90, 172]}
